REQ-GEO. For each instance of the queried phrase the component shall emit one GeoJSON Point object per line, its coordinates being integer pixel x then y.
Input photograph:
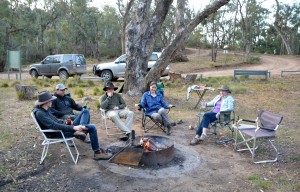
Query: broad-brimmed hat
{"type": "Point", "coordinates": [224, 88]}
{"type": "Point", "coordinates": [44, 97]}
{"type": "Point", "coordinates": [110, 85]}
{"type": "Point", "coordinates": [60, 87]}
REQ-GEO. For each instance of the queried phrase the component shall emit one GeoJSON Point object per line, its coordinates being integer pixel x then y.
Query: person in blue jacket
{"type": "Point", "coordinates": [155, 106]}
{"type": "Point", "coordinates": [222, 102]}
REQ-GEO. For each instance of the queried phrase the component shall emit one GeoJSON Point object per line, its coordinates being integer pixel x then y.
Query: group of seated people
{"type": "Point", "coordinates": [55, 112]}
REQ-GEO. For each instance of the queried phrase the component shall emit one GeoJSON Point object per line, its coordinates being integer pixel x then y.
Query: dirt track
{"type": "Point", "coordinates": [272, 63]}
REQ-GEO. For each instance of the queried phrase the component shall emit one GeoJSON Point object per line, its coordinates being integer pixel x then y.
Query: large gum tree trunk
{"type": "Point", "coordinates": [140, 36]}
{"type": "Point", "coordinates": [140, 42]}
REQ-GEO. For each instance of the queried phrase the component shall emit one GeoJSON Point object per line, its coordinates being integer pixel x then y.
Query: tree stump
{"type": "Point", "coordinates": [173, 76]}
{"type": "Point", "coordinates": [25, 91]}
{"type": "Point", "coordinates": [190, 78]}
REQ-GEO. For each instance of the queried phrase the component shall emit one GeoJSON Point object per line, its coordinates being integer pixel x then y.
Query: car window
{"type": "Point", "coordinates": [122, 59]}
{"type": "Point", "coordinates": [67, 58]}
{"type": "Point", "coordinates": [47, 60]}
{"type": "Point", "coordinates": [79, 59]}
{"type": "Point", "coordinates": [56, 59]}
{"type": "Point", "coordinates": [153, 57]}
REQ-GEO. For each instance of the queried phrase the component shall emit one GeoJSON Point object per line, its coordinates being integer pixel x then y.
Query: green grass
{"type": "Point", "coordinates": [260, 183]}
{"type": "Point", "coordinates": [295, 158]}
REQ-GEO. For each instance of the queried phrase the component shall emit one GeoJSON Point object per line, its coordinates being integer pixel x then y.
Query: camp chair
{"type": "Point", "coordinates": [225, 120]}
{"type": "Point", "coordinates": [109, 125]}
{"type": "Point", "coordinates": [47, 141]}
{"type": "Point", "coordinates": [148, 122]}
{"type": "Point", "coordinates": [264, 127]}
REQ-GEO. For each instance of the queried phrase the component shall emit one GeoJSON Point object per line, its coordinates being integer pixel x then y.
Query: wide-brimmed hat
{"type": "Point", "coordinates": [224, 88]}
{"type": "Point", "coordinates": [60, 87]}
{"type": "Point", "coordinates": [44, 97]}
{"type": "Point", "coordinates": [110, 85]}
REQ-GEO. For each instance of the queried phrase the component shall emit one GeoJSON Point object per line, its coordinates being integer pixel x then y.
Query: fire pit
{"type": "Point", "coordinates": [158, 150]}
{"type": "Point", "coordinates": [145, 151]}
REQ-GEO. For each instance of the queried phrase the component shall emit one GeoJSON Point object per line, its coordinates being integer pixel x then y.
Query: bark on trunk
{"type": "Point", "coordinates": [25, 91]}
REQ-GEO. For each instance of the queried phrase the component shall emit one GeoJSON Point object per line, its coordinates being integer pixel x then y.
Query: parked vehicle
{"type": "Point", "coordinates": [114, 70]}
{"type": "Point", "coordinates": [62, 65]}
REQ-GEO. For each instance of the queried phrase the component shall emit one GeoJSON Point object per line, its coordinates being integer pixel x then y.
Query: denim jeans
{"type": "Point", "coordinates": [92, 130]}
{"type": "Point", "coordinates": [206, 120]}
{"type": "Point", "coordinates": [83, 118]}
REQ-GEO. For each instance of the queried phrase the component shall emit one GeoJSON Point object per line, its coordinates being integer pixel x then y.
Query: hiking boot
{"type": "Point", "coordinates": [80, 135]}
{"type": "Point", "coordinates": [102, 155]}
{"type": "Point", "coordinates": [173, 124]}
{"type": "Point", "coordinates": [125, 137]}
{"type": "Point", "coordinates": [70, 143]}
{"type": "Point", "coordinates": [168, 130]}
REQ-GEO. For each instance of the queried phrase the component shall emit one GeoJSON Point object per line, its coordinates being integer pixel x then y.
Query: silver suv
{"type": "Point", "coordinates": [62, 65]}
{"type": "Point", "coordinates": [114, 70]}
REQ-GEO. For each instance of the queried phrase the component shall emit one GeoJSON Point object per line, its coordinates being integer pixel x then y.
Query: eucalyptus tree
{"type": "Point", "coordinates": [125, 13]}
{"type": "Point", "coordinates": [287, 21]}
{"type": "Point", "coordinates": [251, 13]}
{"type": "Point", "coordinates": [5, 13]}
{"type": "Point", "coordinates": [141, 32]}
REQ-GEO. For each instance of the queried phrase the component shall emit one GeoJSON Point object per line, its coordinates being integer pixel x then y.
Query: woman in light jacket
{"type": "Point", "coordinates": [222, 102]}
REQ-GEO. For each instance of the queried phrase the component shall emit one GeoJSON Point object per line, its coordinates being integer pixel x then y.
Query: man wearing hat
{"type": "Point", "coordinates": [64, 105]}
{"type": "Point", "coordinates": [222, 102]}
{"type": "Point", "coordinates": [47, 120]}
{"type": "Point", "coordinates": [114, 105]}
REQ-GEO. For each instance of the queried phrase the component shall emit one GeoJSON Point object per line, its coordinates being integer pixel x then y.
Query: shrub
{"type": "Point", "coordinates": [4, 84]}
{"type": "Point", "coordinates": [79, 92]}
{"type": "Point", "coordinates": [97, 104]}
{"type": "Point", "coordinates": [96, 90]}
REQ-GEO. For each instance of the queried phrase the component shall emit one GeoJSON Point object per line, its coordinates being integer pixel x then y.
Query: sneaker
{"type": "Point", "coordinates": [203, 137]}
{"type": "Point", "coordinates": [102, 155]}
{"type": "Point", "coordinates": [70, 143]}
{"type": "Point", "coordinates": [195, 141]}
{"type": "Point", "coordinates": [168, 130]}
{"type": "Point", "coordinates": [80, 135]}
{"type": "Point", "coordinates": [87, 139]}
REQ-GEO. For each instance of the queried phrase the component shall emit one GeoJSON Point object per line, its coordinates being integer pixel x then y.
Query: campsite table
{"type": "Point", "coordinates": [200, 90]}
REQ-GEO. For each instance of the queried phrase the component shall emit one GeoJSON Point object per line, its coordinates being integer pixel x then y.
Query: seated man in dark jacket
{"type": "Point", "coordinates": [47, 121]}
{"type": "Point", "coordinates": [64, 105]}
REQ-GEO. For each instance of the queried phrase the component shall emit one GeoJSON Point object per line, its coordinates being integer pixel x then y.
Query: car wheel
{"type": "Point", "coordinates": [107, 74]}
{"type": "Point", "coordinates": [63, 74]}
{"type": "Point", "coordinates": [34, 74]}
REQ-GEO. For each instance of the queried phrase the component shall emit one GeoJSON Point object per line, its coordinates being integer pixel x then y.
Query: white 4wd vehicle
{"type": "Point", "coordinates": [116, 69]}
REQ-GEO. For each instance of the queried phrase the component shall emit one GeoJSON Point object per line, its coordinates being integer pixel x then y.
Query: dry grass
{"type": "Point", "coordinates": [200, 60]}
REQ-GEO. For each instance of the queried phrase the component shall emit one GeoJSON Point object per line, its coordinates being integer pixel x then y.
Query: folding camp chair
{"type": "Point", "coordinates": [264, 127]}
{"type": "Point", "coordinates": [225, 120]}
{"type": "Point", "coordinates": [109, 125]}
{"type": "Point", "coordinates": [148, 122]}
{"type": "Point", "coordinates": [47, 141]}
